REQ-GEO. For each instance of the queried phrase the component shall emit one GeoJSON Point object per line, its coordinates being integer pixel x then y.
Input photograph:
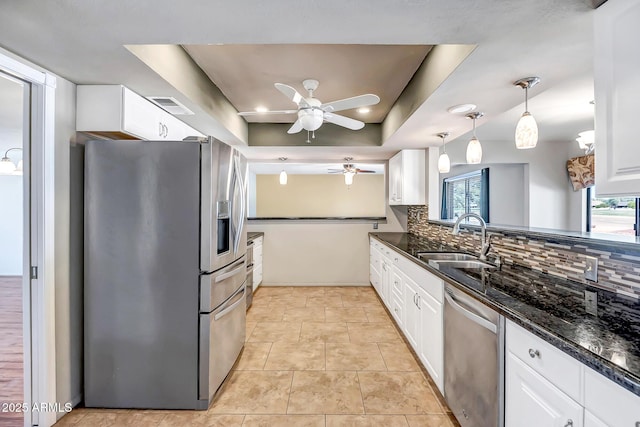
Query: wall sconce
{"type": "Point", "coordinates": [444, 164]}
{"type": "Point", "coordinates": [7, 167]}
{"type": "Point", "coordinates": [283, 174]}
{"type": "Point", "coordinates": [527, 128]}
{"type": "Point", "coordinates": [474, 149]}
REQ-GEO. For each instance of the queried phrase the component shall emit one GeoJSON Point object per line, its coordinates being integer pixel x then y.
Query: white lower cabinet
{"type": "Point", "coordinates": [546, 387]}
{"type": "Point", "coordinates": [414, 298]}
{"type": "Point", "coordinates": [257, 262]}
{"type": "Point", "coordinates": [532, 401]}
{"type": "Point", "coordinates": [607, 403]}
{"type": "Point", "coordinates": [591, 420]}
{"type": "Point", "coordinates": [430, 341]}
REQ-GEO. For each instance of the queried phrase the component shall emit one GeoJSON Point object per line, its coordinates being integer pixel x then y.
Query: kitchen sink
{"type": "Point", "coordinates": [473, 264]}
{"type": "Point", "coordinates": [446, 256]}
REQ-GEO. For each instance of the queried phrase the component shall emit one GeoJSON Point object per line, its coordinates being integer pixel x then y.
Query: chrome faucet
{"type": "Point", "coordinates": [486, 244]}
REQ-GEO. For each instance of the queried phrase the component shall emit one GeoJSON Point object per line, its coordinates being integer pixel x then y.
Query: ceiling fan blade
{"type": "Point", "coordinates": [292, 94]}
{"type": "Point", "coordinates": [364, 171]}
{"type": "Point", "coordinates": [297, 127]}
{"type": "Point", "coordinates": [343, 121]}
{"type": "Point", "coordinates": [336, 170]}
{"type": "Point", "coordinates": [348, 103]}
{"type": "Point", "coordinates": [257, 113]}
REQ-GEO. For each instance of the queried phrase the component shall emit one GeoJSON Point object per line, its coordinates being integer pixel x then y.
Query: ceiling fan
{"type": "Point", "coordinates": [312, 112]}
{"type": "Point", "coordinates": [349, 170]}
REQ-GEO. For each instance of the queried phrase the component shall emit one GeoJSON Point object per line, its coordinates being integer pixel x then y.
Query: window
{"type": "Point", "coordinates": [612, 215]}
{"type": "Point", "coordinates": [468, 193]}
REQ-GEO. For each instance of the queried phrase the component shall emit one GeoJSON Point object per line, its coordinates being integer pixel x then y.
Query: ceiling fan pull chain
{"type": "Point", "coordinates": [308, 140]}
{"type": "Point", "coordinates": [313, 134]}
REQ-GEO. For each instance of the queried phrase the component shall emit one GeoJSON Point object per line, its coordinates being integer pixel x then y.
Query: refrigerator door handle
{"type": "Point", "coordinates": [230, 308]}
{"type": "Point", "coordinates": [231, 273]}
{"type": "Point", "coordinates": [238, 185]}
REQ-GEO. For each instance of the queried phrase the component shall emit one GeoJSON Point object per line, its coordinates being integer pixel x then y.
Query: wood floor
{"type": "Point", "coordinates": [11, 356]}
{"type": "Point", "coordinates": [321, 356]}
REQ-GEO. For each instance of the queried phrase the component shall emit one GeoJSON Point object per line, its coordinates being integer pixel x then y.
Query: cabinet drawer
{"type": "Point", "coordinates": [609, 402]}
{"type": "Point", "coordinates": [396, 309]}
{"type": "Point", "coordinates": [396, 285]}
{"type": "Point", "coordinates": [559, 368]}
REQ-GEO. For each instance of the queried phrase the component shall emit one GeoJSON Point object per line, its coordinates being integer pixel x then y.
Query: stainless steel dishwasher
{"type": "Point", "coordinates": [473, 360]}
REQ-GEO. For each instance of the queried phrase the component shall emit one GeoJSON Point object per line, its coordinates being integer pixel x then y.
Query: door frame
{"type": "Point", "coordinates": [38, 302]}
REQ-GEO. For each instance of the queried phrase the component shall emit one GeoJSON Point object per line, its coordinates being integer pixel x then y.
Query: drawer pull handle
{"type": "Point", "coordinates": [569, 423]}
{"type": "Point", "coordinates": [533, 353]}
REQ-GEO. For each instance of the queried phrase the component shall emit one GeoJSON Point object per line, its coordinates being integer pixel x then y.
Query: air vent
{"type": "Point", "coordinates": [170, 105]}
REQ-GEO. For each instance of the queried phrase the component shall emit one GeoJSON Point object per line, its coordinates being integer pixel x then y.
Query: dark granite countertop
{"type": "Point", "coordinates": [550, 307]}
{"type": "Point", "coordinates": [252, 235]}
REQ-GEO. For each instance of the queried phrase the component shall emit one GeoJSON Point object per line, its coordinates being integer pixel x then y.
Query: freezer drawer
{"type": "Point", "coordinates": [222, 335]}
{"type": "Point", "coordinates": [217, 287]}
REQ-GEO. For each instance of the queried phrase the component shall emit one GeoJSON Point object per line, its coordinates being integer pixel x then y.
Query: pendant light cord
{"type": "Point", "coordinates": [526, 99]}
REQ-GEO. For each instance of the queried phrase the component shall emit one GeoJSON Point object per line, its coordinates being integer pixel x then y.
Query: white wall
{"type": "Point", "coordinates": [11, 225]}
{"type": "Point", "coordinates": [69, 296]}
{"type": "Point", "coordinates": [507, 202]}
{"type": "Point", "coordinates": [552, 201]}
{"type": "Point", "coordinates": [303, 253]}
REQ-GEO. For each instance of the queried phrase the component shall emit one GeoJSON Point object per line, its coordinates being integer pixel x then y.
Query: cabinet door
{"type": "Point", "coordinates": [395, 179]}
{"type": "Point", "coordinates": [532, 401]}
{"type": "Point", "coordinates": [140, 117]}
{"type": "Point", "coordinates": [385, 285]}
{"type": "Point", "coordinates": [411, 315]}
{"type": "Point", "coordinates": [430, 338]}
{"type": "Point", "coordinates": [617, 84]}
{"type": "Point", "coordinates": [175, 129]}
{"type": "Point", "coordinates": [591, 420]}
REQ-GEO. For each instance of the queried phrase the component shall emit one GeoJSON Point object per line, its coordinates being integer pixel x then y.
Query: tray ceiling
{"type": "Point", "coordinates": [246, 74]}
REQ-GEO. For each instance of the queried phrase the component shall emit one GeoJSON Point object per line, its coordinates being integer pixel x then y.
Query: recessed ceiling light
{"type": "Point", "coordinates": [462, 108]}
{"type": "Point", "coordinates": [364, 110]}
{"type": "Point", "coordinates": [261, 109]}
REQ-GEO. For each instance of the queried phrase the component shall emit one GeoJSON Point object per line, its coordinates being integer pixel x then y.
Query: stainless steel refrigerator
{"type": "Point", "coordinates": [165, 271]}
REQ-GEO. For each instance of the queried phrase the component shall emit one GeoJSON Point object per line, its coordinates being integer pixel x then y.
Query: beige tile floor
{"type": "Point", "coordinates": [314, 356]}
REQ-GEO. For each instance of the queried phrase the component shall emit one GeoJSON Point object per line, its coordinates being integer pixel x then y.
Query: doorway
{"type": "Point", "coordinates": [14, 134]}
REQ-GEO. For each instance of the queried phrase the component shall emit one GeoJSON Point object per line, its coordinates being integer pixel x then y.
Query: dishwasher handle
{"type": "Point", "coordinates": [469, 315]}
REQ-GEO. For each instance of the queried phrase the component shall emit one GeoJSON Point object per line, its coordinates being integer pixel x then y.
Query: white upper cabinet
{"type": "Point", "coordinates": [115, 111]}
{"type": "Point", "coordinates": [407, 179]}
{"type": "Point", "coordinates": [617, 84]}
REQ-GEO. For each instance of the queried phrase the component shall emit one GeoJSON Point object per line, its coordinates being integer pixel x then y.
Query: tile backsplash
{"type": "Point", "coordinates": [618, 270]}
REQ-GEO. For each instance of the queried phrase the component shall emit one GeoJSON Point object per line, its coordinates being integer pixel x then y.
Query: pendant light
{"type": "Point", "coordinates": [444, 164]}
{"type": "Point", "coordinates": [527, 128]}
{"type": "Point", "coordinates": [474, 149]}
{"type": "Point", "coordinates": [283, 174]}
{"type": "Point", "coordinates": [586, 141]}
{"type": "Point", "coordinates": [7, 167]}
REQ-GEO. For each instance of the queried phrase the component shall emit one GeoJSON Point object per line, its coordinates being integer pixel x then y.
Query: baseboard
{"type": "Point", "coordinates": [313, 284]}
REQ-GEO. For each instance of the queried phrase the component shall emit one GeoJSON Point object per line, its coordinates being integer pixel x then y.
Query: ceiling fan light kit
{"type": "Point", "coordinates": [527, 129]}
{"type": "Point", "coordinates": [312, 112]}
{"type": "Point", "coordinates": [444, 163]}
{"type": "Point", "coordinates": [474, 149]}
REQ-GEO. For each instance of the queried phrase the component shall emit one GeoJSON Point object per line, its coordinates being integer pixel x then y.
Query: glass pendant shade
{"type": "Point", "coordinates": [444, 164]}
{"type": "Point", "coordinates": [310, 119]}
{"type": "Point", "coordinates": [283, 178]}
{"type": "Point", "coordinates": [586, 139]}
{"type": "Point", "coordinates": [526, 132]}
{"type": "Point", "coordinates": [474, 151]}
{"type": "Point", "coordinates": [348, 178]}
{"type": "Point", "coordinates": [6, 166]}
